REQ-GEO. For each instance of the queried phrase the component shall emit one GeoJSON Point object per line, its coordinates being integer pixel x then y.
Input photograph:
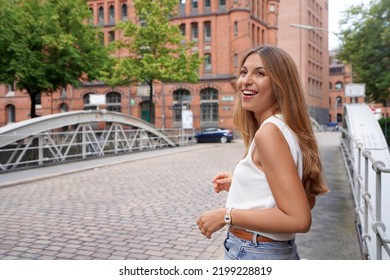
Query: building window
{"type": "Point", "coordinates": [195, 4]}
{"type": "Point", "coordinates": [181, 99]}
{"type": "Point", "coordinates": [330, 85]}
{"type": "Point", "coordinates": [112, 14]}
{"type": "Point", "coordinates": [101, 37]}
{"type": "Point", "coordinates": [124, 12]}
{"type": "Point", "coordinates": [194, 31]}
{"type": "Point", "coordinates": [90, 20]}
{"type": "Point", "coordinates": [207, 31]}
{"type": "Point", "coordinates": [222, 2]}
{"type": "Point", "coordinates": [182, 6]}
{"type": "Point", "coordinates": [64, 108]}
{"type": "Point", "coordinates": [235, 60]}
{"type": "Point", "coordinates": [87, 103]}
{"type": "Point", "coordinates": [207, 3]}
{"type": "Point", "coordinates": [338, 85]}
{"type": "Point", "coordinates": [111, 36]}
{"type": "Point", "coordinates": [209, 105]}
{"type": "Point", "coordinates": [235, 28]}
{"type": "Point", "coordinates": [10, 109]}
{"type": "Point", "coordinates": [207, 62]}
{"type": "Point", "coordinates": [339, 102]}
{"type": "Point", "coordinates": [38, 99]}
{"type": "Point", "coordinates": [101, 16]}
{"type": "Point", "coordinates": [183, 29]}
{"type": "Point", "coordinates": [114, 102]}
{"type": "Point", "coordinates": [11, 87]}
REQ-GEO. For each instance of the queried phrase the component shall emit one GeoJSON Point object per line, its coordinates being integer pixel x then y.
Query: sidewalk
{"type": "Point", "coordinates": [144, 206]}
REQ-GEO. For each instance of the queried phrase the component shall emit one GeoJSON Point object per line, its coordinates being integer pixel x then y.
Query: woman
{"type": "Point", "coordinates": [274, 186]}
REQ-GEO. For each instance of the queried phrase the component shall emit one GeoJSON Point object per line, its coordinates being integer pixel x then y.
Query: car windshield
{"type": "Point", "coordinates": [210, 129]}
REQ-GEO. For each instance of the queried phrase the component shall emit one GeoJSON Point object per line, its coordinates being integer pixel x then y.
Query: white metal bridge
{"type": "Point", "coordinates": [367, 159]}
{"type": "Point", "coordinates": [80, 135]}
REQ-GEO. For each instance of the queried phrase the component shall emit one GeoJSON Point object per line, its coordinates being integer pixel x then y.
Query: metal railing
{"type": "Point", "coordinates": [360, 166]}
{"type": "Point", "coordinates": [84, 142]}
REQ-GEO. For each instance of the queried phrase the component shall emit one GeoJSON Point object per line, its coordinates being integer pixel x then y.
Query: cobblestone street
{"type": "Point", "coordinates": [145, 208]}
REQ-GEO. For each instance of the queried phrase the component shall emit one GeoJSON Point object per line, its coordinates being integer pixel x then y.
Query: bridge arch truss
{"type": "Point", "coordinates": [79, 135]}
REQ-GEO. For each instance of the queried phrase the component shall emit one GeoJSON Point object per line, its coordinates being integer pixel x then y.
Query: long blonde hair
{"type": "Point", "coordinates": [288, 92]}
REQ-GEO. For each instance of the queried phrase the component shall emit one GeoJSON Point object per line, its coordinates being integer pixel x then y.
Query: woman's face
{"type": "Point", "coordinates": [254, 86]}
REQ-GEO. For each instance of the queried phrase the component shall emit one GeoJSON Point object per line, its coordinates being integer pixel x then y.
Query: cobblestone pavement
{"type": "Point", "coordinates": [145, 207]}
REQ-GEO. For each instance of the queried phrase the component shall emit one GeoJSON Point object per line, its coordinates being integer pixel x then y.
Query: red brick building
{"type": "Point", "coordinates": [222, 29]}
{"type": "Point", "coordinates": [302, 32]}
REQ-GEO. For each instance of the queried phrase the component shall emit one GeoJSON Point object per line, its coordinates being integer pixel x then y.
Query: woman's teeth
{"type": "Point", "coordinates": [249, 92]}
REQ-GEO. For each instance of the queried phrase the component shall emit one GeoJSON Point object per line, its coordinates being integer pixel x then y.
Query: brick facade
{"type": "Point", "coordinates": [309, 49]}
{"type": "Point", "coordinates": [233, 26]}
{"type": "Point", "coordinates": [226, 29]}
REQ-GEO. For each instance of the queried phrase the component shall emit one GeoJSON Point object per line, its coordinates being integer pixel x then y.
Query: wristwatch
{"type": "Point", "coordinates": [228, 217]}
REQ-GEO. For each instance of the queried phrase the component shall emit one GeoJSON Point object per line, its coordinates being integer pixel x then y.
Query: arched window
{"type": "Point", "coordinates": [194, 31]}
{"type": "Point", "coordinates": [339, 102]}
{"type": "Point", "coordinates": [124, 12]}
{"type": "Point", "coordinates": [91, 18]}
{"type": "Point", "coordinates": [10, 110]}
{"type": "Point", "coordinates": [209, 107]}
{"type": "Point", "coordinates": [87, 102]}
{"type": "Point", "coordinates": [338, 85]}
{"type": "Point", "coordinates": [64, 107]}
{"type": "Point", "coordinates": [181, 99]}
{"type": "Point", "coordinates": [114, 102]}
{"type": "Point", "coordinates": [207, 31]}
{"type": "Point", "coordinates": [101, 16]}
{"type": "Point", "coordinates": [112, 15]}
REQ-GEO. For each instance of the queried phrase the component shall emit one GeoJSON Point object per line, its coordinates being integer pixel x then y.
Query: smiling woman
{"type": "Point", "coordinates": [273, 188]}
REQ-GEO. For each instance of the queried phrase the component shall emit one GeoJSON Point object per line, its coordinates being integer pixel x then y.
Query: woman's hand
{"type": "Point", "coordinates": [211, 221]}
{"type": "Point", "coordinates": [222, 181]}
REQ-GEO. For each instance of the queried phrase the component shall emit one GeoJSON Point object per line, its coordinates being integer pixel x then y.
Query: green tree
{"type": "Point", "coordinates": [157, 50]}
{"type": "Point", "coordinates": [365, 42]}
{"type": "Point", "coordinates": [48, 44]}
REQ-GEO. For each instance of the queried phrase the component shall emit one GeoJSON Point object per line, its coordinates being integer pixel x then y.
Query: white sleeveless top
{"type": "Point", "coordinates": [250, 188]}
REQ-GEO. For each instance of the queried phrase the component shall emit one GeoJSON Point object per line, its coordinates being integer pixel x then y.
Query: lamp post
{"type": "Point", "coordinates": [309, 27]}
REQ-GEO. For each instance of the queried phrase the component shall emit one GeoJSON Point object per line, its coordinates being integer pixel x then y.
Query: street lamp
{"type": "Point", "coordinates": [309, 27]}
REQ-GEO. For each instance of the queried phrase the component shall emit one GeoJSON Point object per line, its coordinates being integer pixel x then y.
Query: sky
{"type": "Point", "coordinates": [336, 8]}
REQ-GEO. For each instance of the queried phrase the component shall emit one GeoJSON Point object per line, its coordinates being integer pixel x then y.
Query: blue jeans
{"type": "Point", "coordinates": [240, 249]}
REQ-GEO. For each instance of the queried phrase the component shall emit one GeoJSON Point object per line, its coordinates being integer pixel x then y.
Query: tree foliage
{"type": "Point", "coordinates": [48, 44]}
{"type": "Point", "coordinates": [156, 48]}
{"type": "Point", "coordinates": [365, 42]}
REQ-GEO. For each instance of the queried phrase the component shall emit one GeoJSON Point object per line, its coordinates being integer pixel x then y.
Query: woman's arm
{"type": "Point", "coordinates": [292, 214]}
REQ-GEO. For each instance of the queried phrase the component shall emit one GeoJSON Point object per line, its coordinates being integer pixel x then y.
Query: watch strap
{"type": "Point", "coordinates": [228, 217]}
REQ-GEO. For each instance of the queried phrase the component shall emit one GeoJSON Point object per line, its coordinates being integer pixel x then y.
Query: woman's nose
{"type": "Point", "coordinates": [248, 79]}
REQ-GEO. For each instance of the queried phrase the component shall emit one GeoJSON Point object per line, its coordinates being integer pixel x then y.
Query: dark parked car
{"type": "Point", "coordinates": [214, 134]}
